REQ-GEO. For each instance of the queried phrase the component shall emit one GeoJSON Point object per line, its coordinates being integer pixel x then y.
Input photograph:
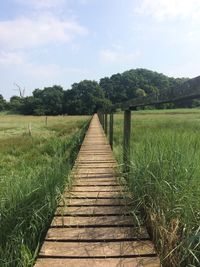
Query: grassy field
{"type": "Point", "coordinates": [34, 169]}
{"type": "Point", "coordinates": [165, 179]}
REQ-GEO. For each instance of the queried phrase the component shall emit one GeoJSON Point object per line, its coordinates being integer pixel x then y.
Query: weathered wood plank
{"type": "Point", "coordinates": [92, 210]}
{"type": "Point", "coordinates": [94, 233]}
{"type": "Point", "coordinates": [88, 220]}
{"type": "Point", "coordinates": [94, 194]}
{"type": "Point", "coordinates": [93, 188]}
{"type": "Point", "coordinates": [97, 249]}
{"type": "Point", "coordinates": [95, 202]}
{"type": "Point", "coordinates": [119, 262]}
{"type": "Point", "coordinates": [95, 182]}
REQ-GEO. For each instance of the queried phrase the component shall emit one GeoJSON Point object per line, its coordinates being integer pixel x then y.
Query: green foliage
{"type": "Point", "coordinates": [125, 86]}
{"type": "Point", "coordinates": [2, 103]}
{"type": "Point", "coordinates": [87, 96]}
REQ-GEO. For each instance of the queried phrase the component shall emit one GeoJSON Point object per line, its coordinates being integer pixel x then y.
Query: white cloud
{"type": "Point", "coordinates": [42, 4]}
{"type": "Point", "coordinates": [18, 60]}
{"type": "Point", "coordinates": [34, 75]}
{"type": "Point", "coordinates": [29, 32]}
{"type": "Point", "coordinates": [10, 58]}
{"type": "Point", "coordinates": [85, 2]}
{"type": "Point", "coordinates": [109, 56]}
{"type": "Point", "coordinates": [170, 9]}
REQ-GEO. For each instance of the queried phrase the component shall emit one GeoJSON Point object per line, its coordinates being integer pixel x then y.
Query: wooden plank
{"type": "Point", "coordinates": [96, 171]}
{"type": "Point", "coordinates": [98, 161]}
{"type": "Point", "coordinates": [94, 194]}
{"type": "Point", "coordinates": [95, 182]}
{"type": "Point", "coordinates": [92, 210]}
{"type": "Point", "coordinates": [97, 249]}
{"type": "Point", "coordinates": [91, 166]}
{"type": "Point", "coordinates": [119, 262]}
{"type": "Point", "coordinates": [95, 233]}
{"type": "Point", "coordinates": [97, 202]}
{"type": "Point", "coordinates": [98, 176]}
{"type": "Point", "coordinates": [92, 180]}
{"type": "Point", "coordinates": [98, 188]}
{"type": "Point", "coordinates": [88, 220]}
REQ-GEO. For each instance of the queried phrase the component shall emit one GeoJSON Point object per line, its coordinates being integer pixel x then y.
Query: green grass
{"type": "Point", "coordinates": [33, 173]}
{"type": "Point", "coordinates": [165, 179]}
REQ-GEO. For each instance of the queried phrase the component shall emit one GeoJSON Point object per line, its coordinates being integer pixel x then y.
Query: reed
{"type": "Point", "coordinates": [34, 170]}
{"type": "Point", "coordinates": [164, 180]}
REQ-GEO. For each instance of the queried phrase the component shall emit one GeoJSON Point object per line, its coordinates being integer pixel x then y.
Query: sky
{"type": "Point", "coordinates": [47, 42]}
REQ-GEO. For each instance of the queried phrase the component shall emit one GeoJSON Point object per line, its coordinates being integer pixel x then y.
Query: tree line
{"type": "Point", "coordinates": [87, 96]}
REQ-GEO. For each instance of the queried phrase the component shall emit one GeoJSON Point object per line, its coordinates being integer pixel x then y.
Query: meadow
{"type": "Point", "coordinates": [36, 157]}
{"type": "Point", "coordinates": [164, 179]}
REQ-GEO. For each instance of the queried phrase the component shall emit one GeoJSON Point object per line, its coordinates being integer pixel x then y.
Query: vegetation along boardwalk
{"type": "Point", "coordinates": [92, 225]}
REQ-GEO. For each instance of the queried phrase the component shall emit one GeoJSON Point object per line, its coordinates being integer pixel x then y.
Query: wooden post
{"type": "Point", "coordinates": [111, 130]}
{"type": "Point", "coordinates": [106, 123]}
{"type": "Point", "coordinates": [46, 120]}
{"type": "Point", "coordinates": [103, 121]}
{"type": "Point", "coordinates": [126, 143]}
{"type": "Point", "coordinates": [29, 129]}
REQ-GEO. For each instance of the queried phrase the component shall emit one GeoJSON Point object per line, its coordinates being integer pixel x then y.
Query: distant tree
{"type": "Point", "coordinates": [32, 106]}
{"type": "Point", "coordinates": [2, 103]}
{"type": "Point", "coordinates": [122, 87]}
{"type": "Point", "coordinates": [140, 92]}
{"type": "Point", "coordinates": [48, 101]}
{"type": "Point", "coordinates": [16, 104]}
{"type": "Point", "coordinates": [85, 97]}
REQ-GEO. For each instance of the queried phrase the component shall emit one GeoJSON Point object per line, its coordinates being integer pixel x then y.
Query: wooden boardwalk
{"type": "Point", "coordinates": [92, 225]}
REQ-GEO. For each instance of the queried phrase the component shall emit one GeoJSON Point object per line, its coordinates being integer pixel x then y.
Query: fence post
{"type": "Point", "coordinates": [126, 143]}
{"type": "Point", "coordinates": [102, 120]}
{"type": "Point", "coordinates": [111, 130]}
{"type": "Point", "coordinates": [106, 123]}
{"type": "Point", "coordinates": [100, 117]}
{"type": "Point", "coordinates": [46, 120]}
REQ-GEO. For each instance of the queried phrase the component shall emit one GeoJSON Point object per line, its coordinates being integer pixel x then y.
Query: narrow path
{"type": "Point", "coordinates": [92, 225]}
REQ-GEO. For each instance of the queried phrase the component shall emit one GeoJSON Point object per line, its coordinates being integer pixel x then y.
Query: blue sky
{"type": "Point", "coordinates": [46, 42]}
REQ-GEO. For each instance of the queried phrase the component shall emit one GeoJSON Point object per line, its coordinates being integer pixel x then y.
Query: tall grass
{"type": "Point", "coordinates": [34, 171]}
{"type": "Point", "coordinates": [165, 181]}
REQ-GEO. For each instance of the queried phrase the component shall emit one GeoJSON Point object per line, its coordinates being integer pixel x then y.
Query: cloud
{"type": "Point", "coordinates": [20, 61]}
{"type": "Point", "coordinates": [170, 9]}
{"type": "Point", "coordinates": [109, 56]}
{"type": "Point", "coordinates": [85, 2]}
{"type": "Point", "coordinates": [26, 32]}
{"type": "Point", "coordinates": [34, 75]}
{"type": "Point", "coordinates": [42, 4]}
{"type": "Point", "coordinates": [10, 58]}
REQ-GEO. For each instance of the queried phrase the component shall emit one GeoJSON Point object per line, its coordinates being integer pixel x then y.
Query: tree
{"type": "Point", "coordinates": [16, 103]}
{"type": "Point", "coordinates": [140, 92]}
{"type": "Point", "coordinates": [2, 103]}
{"type": "Point", "coordinates": [122, 87]}
{"type": "Point", "coordinates": [85, 97]}
{"type": "Point", "coordinates": [32, 106]}
{"type": "Point", "coordinates": [49, 101]}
